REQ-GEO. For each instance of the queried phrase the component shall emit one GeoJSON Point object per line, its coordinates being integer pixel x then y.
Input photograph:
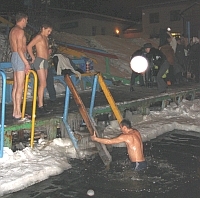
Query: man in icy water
{"type": "Point", "coordinates": [133, 141]}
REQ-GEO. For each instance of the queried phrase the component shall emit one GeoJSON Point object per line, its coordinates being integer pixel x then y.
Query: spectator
{"type": "Point", "coordinates": [172, 41]}
{"type": "Point", "coordinates": [168, 51]}
{"type": "Point", "coordinates": [144, 51]}
{"type": "Point", "coordinates": [160, 61]}
{"type": "Point", "coordinates": [194, 57]}
{"type": "Point", "coordinates": [180, 59]}
{"type": "Point", "coordinates": [50, 80]}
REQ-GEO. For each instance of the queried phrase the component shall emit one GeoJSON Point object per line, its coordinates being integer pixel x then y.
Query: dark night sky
{"type": "Point", "coordinates": [127, 9]}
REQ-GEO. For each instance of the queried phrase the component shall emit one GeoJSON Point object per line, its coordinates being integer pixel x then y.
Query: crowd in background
{"type": "Point", "coordinates": [175, 61]}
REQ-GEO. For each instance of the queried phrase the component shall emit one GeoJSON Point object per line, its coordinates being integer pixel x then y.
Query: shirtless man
{"type": "Point", "coordinates": [133, 141]}
{"type": "Point", "coordinates": [19, 63]}
{"type": "Point", "coordinates": [40, 62]}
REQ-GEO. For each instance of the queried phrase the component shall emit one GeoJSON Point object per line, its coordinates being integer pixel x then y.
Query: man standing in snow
{"type": "Point", "coordinates": [40, 62]}
{"type": "Point", "coordinates": [19, 62]}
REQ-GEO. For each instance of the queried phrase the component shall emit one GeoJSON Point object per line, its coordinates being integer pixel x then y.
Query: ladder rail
{"type": "Point", "coordinates": [103, 152]}
{"type": "Point", "coordinates": [3, 102]}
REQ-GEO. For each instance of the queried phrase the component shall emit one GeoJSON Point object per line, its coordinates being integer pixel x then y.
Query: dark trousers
{"type": "Point", "coordinates": [171, 74]}
{"type": "Point", "coordinates": [162, 86]}
{"type": "Point", "coordinates": [134, 75]}
{"type": "Point", "coordinates": [50, 84]}
{"type": "Point", "coordinates": [195, 69]}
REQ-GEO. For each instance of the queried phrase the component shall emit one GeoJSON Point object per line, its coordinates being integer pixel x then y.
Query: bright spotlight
{"type": "Point", "coordinates": [168, 29]}
{"type": "Point", "coordinates": [117, 31]}
{"type": "Point", "coordinates": [139, 64]}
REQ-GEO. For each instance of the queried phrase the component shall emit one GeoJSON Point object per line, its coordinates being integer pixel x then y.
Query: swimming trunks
{"type": "Point", "coordinates": [40, 63]}
{"type": "Point", "coordinates": [17, 63]}
{"type": "Point", "coordinates": [137, 166]}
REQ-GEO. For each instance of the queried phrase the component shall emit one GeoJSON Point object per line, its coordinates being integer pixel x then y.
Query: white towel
{"type": "Point", "coordinates": [64, 63]}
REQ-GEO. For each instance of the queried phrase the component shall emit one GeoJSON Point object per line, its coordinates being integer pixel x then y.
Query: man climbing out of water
{"type": "Point", "coordinates": [133, 141]}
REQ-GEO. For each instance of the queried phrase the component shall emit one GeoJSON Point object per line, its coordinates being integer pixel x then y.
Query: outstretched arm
{"type": "Point", "coordinates": [116, 140]}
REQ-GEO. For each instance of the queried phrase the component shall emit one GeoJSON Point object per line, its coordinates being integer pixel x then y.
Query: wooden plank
{"type": "Point", "coordinates": [4, 21]}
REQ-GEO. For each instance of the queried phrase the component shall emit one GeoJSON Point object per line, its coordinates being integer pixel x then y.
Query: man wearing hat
{"type": "Point", "coordinates": [144, 51]}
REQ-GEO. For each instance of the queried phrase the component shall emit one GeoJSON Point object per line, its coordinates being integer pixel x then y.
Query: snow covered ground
{"type": "Point", "coordinates": [21, 169]}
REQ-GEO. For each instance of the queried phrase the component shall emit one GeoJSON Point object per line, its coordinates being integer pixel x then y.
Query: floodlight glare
{"type": "Point", "coordinates": [139, 64]}
{"type": "Point", "coordinates": [168, 29]}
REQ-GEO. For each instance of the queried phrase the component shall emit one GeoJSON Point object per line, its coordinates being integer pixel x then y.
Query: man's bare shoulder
{"type": "Point", "coordinates": [36, 40]}
{"type": "Point", "coordinates": [126, 135]}
{"type": "Point", "coordinates": [134, 130]}
{"type": "Point", "coordinates": [38, 37]}
{"type": "Point", "coordinates": [132, 133]}
{"type": "Point", "coordinates": [17, 30]}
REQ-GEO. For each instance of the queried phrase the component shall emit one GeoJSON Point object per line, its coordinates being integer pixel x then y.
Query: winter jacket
{"type": "Point", "coordinates": [158, 57]}
{"type": "Point", "coordinates": [169, 53]}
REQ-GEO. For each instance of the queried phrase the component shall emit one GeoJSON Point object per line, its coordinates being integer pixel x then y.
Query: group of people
{"type": "Point", "coordinates": [169, 60]}
{"type": "Point", "coordinates": [21, 65]}
{"type": "Point", "coordinates": [166, 63]}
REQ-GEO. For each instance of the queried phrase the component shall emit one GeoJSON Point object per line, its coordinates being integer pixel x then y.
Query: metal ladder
{"type": "Point", "coordinates": [87, 117]}
{"type": "Point", "coordinates": [3, 102]}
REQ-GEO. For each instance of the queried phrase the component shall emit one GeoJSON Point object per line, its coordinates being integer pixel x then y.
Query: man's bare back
{"type": "Point", "coordinates": [134, 145]}
{"type": "Point", "coordinates": [14, 37]}
{"type": "Point", "coordinates": [18, 43]}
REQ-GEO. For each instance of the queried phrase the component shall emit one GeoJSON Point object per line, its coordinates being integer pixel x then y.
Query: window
{"type": "Point", "coordinates": [103, 31]}
{"type": "Point", "coordinates": [154, 17]}
{"type": "Point", "coordinates": [174, 15]}
{"type": "Point", "coordinates": [94, 30]}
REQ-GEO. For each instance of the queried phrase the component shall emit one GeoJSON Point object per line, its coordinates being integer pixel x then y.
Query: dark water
{"type": "Point", "coordinates": [173, 172]}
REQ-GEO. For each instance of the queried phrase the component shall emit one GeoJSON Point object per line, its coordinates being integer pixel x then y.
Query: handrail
{"type": "Point", "coordinates": [109, 98]}
{"type": "Point", "coordinates": [3, 102]}
{"type": "Point", "coordinates": [34, 102]}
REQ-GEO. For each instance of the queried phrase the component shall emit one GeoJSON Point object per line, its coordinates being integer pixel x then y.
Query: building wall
{"type": "Point", "coordinates": [193, 16]}
{"type": "Point", "coordinates": [132, 35]}
{"type": "Point", "coordinates": [164, 19]}
{"type": "Point", "coordinates": [86, 26]}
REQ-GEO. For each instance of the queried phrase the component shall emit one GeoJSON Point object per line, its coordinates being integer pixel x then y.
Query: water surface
{"type": "Point", "coordinates": [173, 171]}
